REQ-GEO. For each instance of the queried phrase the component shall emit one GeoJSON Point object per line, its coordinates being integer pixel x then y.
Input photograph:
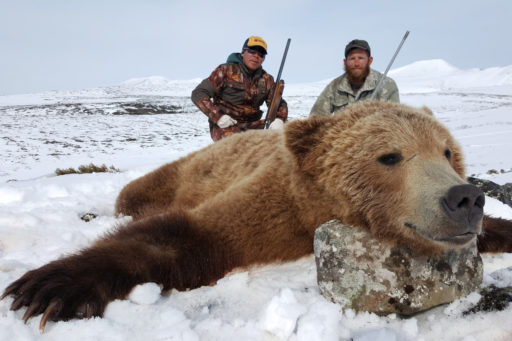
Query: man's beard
{"type": "Point", "coordinates": [357, 79]}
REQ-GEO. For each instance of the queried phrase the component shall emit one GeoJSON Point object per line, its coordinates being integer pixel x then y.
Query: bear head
{"type": "Point", "coordinates": [393, 170]}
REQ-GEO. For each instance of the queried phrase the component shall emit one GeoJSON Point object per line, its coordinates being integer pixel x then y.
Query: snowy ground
{"type": "Point", "coordinates": [40, 212]}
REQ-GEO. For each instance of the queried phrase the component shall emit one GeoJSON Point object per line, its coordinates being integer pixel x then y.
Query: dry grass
{"type": "Point", "coordinates": [91, 168]}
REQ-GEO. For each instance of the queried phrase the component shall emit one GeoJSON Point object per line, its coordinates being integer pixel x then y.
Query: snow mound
{"type": "Point", "coordinates": [432, 68]}
{"type": "Point", "coordinates": [437, 75]}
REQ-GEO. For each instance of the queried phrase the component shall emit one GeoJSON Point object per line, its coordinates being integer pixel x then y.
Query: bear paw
{"type": "Point", "coordinates": [57, 293]}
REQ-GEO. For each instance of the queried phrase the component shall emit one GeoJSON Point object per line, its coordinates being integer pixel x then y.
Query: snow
{"type": "Point", "coordinates": [435, 75]}
{"type": "Point", "coordinates": [147, 293]}
{"type": "Point", "coordinates": [40, 212]}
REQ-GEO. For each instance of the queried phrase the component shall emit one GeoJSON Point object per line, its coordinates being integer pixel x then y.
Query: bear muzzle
{"type": "Point", "coordinates": [464, 206]}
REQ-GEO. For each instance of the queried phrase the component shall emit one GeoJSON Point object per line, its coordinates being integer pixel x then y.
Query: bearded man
{"type": "Point", "coordinates": [356, 84]}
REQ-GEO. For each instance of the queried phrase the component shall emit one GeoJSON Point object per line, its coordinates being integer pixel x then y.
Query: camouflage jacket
{"type": "Point", "coordinates": [233, 90]}
{"type": "Point", "coordinates": [338, 93]}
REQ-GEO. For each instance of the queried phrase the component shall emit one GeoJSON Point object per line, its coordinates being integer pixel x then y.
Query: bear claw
{"type": "Point", "coordinates": [53, 309]}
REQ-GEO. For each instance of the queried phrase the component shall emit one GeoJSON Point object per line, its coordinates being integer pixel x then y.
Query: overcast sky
{"type": "Point", "coordinates": [69, 44]}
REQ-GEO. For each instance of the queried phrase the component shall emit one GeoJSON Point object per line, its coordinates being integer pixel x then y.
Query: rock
{"type": "Point", "coordinates": [362, 273]}
{"type": "Point", "coordinates": [145, 108]}
{"type": "Point", "coordinates": [493, 299]}
{"type": "Point", "coordinates": [493, 190]}
{"type": "Point", "coordinates": [88, 217]}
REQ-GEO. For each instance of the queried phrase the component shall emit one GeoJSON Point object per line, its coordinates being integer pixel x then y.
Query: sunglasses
{"type": "Point", "coordinates": [251, 51]}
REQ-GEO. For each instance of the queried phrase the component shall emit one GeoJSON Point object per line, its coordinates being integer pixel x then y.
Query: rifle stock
{"type": "Point", "coordinates": [276, 100]}
{"type": "Point", "coordinates": [278, 91]}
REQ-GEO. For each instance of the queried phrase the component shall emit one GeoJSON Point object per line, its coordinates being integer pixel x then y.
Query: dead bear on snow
{"type": "Point", "coordinates": [257, 197]}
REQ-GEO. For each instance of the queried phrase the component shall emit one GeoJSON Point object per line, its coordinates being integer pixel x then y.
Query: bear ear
{"type": "Point", "coordinates": [302, 137]}
{"type": "Point", "coordinates": [426, 110]}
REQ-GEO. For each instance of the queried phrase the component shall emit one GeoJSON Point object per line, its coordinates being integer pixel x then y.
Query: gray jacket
{"type": "Point", "coordinates": [338, 93]}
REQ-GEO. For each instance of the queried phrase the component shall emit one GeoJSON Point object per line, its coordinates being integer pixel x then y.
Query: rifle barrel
{"type": "Point", "coordinates": [283, 60]}
{"type": "Point", "coordinates": [389, 66]}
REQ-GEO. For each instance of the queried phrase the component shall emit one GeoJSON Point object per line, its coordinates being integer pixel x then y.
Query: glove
{"type": "Point", "coordinates": [277, 124]}
{"type": "Point", "coordinates": [226, 121]}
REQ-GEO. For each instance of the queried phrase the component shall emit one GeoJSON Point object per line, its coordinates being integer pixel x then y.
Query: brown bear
{"type": "Point", "coordinates": [257, 197]}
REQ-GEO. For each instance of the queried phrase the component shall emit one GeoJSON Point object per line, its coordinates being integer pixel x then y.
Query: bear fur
{"type": "Point", "coordinates": [257, 197]}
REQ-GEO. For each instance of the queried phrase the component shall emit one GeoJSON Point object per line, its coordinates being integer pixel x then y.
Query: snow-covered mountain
{"type": "Point", "coordinates": [438, 75]}
{"type": "Point", "coordinates": [140, 124]}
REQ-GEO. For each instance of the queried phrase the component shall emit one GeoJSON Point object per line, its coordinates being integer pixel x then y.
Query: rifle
{"type": "Point", "coordinates": [278, 91]}
{"type": "Point", "coordinates": [379, 84]}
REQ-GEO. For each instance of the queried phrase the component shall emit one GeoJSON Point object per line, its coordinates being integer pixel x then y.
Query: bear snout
{"type": "Point", "coordinates": [464, 204]}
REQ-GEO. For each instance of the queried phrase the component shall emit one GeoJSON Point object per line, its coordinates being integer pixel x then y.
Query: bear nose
{"type": "Point", "coordinates": [465, 205]}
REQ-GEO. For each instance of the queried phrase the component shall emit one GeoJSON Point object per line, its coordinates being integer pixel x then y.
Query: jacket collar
{"type": "Point", "coordinates": [236, 58]}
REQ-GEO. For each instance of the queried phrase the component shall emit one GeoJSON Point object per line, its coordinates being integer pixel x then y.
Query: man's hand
{"type": "Point", "coordinates": [226, 121]}
{"type": "Point", "coordinates": [277, 124]}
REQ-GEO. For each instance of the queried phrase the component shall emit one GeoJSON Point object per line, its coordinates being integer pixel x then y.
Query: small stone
{"type": "Point", "coordinates": [88, 217]}
{"type": "Point", "coordinates": [493, 299]}
{"type": "Point", "coordinates": [363, 273]}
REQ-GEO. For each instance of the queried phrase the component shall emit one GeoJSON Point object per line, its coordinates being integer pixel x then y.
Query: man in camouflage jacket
{"type": "Point", "coordinates": [231, 97]}
{"type": "Point", "coordinates": [356, 84]}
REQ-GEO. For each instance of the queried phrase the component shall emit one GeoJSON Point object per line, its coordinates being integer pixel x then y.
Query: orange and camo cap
{"type": "Point", "coordinates": [255, 43]}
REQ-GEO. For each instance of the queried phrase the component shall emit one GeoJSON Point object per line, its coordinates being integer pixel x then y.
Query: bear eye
{"type": "Point", "coordinates": [448, 153]}
{"type": "Point", "coordinates": [390, 159]}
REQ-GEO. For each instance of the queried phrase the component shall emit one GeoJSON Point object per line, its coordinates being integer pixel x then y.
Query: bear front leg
{"type": "Point", "coordinates": [496, 235]}
{"type": "Point", "coordinates": [79, 286]}
{"type": "Point", "coordinates": [165, 249]}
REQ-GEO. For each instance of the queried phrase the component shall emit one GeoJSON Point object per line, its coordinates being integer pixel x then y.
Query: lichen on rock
{"type": "Point", "coordinates": [361, 272]}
